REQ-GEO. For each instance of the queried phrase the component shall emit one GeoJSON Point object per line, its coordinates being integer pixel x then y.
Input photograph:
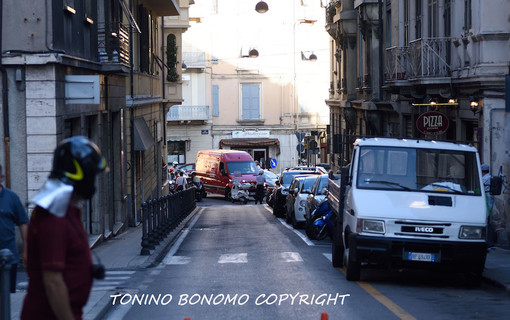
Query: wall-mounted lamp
{"type": "Point", "coordinates": [261, 7]}
{"type": "Point", "coordinates": [312, 57]}
{"type": "Point", "coordinates": [184, 67]}
{"type": "Point", "coordinates": [474, 104]}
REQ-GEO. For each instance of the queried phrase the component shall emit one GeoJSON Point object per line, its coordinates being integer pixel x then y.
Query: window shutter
{"type": "Point", "coordinates": [215, 101]}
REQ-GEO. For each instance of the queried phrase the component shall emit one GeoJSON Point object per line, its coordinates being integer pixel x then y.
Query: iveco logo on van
{"type": "Point", "coordinates": [424, 229]}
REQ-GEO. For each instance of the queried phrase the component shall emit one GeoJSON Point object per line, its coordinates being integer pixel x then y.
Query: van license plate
{"type": "Point", "coordinates": [420, 256]}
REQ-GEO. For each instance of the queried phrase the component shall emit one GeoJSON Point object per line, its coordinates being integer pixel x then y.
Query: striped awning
{"type": "Point", "coordinates": [251, 143]}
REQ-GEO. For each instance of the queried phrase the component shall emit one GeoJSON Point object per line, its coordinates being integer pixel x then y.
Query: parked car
{"type": "Point", "coordinates": [299, 189]}
{"type": "Point", "coordinates": [280, 193]}
{"type": "Point", "coordinates": [318, 193]}
{"type": "Point", "coordinates": [187, 168]}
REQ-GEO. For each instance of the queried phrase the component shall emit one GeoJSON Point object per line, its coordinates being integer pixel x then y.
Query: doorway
{"type": "Point", "coordinates": [260, 156]}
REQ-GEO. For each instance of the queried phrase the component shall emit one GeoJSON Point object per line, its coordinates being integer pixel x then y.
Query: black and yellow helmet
{"type": "Point", "coordinates": [76, 162]}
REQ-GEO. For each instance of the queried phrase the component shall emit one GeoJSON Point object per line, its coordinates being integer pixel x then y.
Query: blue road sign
{"type": "Point", "coordinates": [273, 163]}
{"type": "Point", "coordinates": [300, 136]}
{"type": "Point", "coordinates": [300, 148]}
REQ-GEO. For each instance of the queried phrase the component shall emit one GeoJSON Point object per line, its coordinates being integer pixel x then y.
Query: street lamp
{"type": "Point", "coordinates": [253, 53]}
{"type": "Point", "coordinates": [261, 7]}
{"type": "Point", "coordinates": [312, 57]}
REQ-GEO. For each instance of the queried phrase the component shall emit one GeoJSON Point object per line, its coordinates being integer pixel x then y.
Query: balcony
{"type": "Point", "coordinates": [113, 43]}
{"type": "Point", "coordinates": [423, 58]}
{"type": "Point", "coordinates": [188, 113]}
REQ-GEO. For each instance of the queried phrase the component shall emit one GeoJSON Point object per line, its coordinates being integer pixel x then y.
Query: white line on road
{"type": "Point", "coordinates": [181, 238]}
{"type": "Point", "coordinates": [118, 272]}
{"type": "Point", "coordinates": [233, 258]}
{"type": "Point", "coordinates": [291, 257]}
{"type": "Point", "coordinates": [299, 234]}
{"type": "Point", "coordinates": [176, 260]}
{"type": "Point", "coordinates": [328, 256]}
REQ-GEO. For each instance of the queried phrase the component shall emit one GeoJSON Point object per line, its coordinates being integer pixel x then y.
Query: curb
{"type": "Point", "coordinates": [104, 304]}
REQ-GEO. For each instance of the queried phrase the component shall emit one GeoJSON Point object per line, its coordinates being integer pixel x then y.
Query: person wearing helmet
{"type": "Point", "coordinates": [59, 262]}
{"type": "Point", "coordinates": [174, 164]}
{"type": "Point", "coordinates": [261, 180]}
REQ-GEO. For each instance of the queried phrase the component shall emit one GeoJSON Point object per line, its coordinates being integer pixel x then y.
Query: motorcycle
{"type": "Point", "coordinates": [241, 191]}
{"type": "Point", "coordinates": [319, 226]}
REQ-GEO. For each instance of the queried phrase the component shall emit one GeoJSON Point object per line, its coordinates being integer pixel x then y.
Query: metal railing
{"type": "Point", "coordinates": [185, 113]}
{"type": "Point", "coordinates": [160, 216]}
{"type": "Point", "coordinates": [6, 257]}
{"type": "Point", "coordinates": [423, 58]}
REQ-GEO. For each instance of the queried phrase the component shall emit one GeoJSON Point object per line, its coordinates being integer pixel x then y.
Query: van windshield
{"type": "Point", "coordinates": [407, 169]}
{"type": "Point", "coordinates": [242, 167]}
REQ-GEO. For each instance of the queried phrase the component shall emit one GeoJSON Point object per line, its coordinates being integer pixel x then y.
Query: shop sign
{"type": "Point", "coordinates": [251, 134]}
{"type": "Point", "coordinates": [432, 123]}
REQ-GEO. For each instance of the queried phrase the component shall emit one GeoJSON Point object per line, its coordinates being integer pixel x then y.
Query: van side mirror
{"type": "Point", "coordinates": [496, 185]}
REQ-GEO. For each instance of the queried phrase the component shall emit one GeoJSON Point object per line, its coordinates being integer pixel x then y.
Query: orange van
{"type": "Point", "coordinates": [218, 168]}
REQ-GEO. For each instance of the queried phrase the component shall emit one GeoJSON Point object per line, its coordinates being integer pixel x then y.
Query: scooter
{"type": "Point", "coordinates": [319, 225]}
{"type": "Point", "coordinates": [199, 191]}
{"type": "Point", "coordinates": [241, 191]}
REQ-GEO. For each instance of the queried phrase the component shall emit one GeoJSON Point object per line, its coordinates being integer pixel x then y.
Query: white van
{"type": "Point", "coordinates": [413, 203]}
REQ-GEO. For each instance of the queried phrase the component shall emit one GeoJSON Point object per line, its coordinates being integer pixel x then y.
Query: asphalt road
{"type": "Point", "coordinates": [237, 261]}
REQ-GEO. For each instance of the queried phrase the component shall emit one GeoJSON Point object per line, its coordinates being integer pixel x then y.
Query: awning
{"type": "Point", "coordinates": [251, 143]}
{"type": "Point", "coordinates": [143, 137]}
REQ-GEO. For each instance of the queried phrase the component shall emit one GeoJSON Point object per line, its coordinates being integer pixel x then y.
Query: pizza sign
{"type": "Point", "coordinates": [432, 123]}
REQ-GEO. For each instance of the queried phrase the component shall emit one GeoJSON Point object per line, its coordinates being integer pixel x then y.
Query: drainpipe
{"type": "Point", "coordinates": [381, 43]}
{"type": "Point", "coordinates": [5, 108]}
{"type": "Point", "coordinates": [132, 120]}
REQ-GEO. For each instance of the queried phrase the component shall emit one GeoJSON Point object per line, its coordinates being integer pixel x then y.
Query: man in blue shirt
{"type": "Point", "coordinates": [12, 213]}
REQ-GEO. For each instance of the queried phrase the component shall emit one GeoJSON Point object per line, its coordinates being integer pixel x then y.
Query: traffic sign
{"type": "Point", "coordinates": [300, 148]}
{"type": "Point", "coordinates": [273, 163]}
{"type": "Point", "coordinates": [300, 136]}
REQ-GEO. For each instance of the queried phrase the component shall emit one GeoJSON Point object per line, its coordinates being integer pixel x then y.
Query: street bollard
{"type": "Point", "coordinates": [145, 238]}
{"type": "Point", "coordinates": [6, 257]}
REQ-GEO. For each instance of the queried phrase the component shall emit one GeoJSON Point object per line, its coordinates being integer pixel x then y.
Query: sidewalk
{"type": "Point", "coordinates": [123, 252]}
{"type": "Point", "coordinates": [120, 252]}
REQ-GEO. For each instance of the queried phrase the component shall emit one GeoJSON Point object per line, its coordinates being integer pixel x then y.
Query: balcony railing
{"type": "Point", "coordinates": [188, 113]}
{"type": "Point", "coordinates": [113, 43]}
{"type": "Point", "coordinates": [423, 58]}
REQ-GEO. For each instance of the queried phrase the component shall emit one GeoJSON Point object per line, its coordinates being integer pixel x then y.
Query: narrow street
{"type": "Point", "coordinates": [238, 262]}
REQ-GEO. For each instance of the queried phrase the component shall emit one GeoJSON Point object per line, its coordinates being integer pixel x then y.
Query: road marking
{"type": "Point", "coordinates": [328, 256]}
{"type": "Point", "coordinates": [385, 301]}
{"type": "Point", "coordinates": [176, 260]}
{"type": "Point", "coordinates": [299, 234]}
{"type": "Point", "coordinates": [119, 272]}
{"type": "Point", "coordinates": [393, 307]}
{"type": "Point", "coordinates": [181, 238]}
{"type": "Point", "coordinates": [233, 258]}
{"type": "Point", "coordinates": [291, 257]}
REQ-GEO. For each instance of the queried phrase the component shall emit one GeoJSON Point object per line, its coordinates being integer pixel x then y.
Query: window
{"type": "Point", "coordinates": [407, 169]}
{"type": "Point", "coordinates": [146, 48]}
{"type": "Point", "coordinates": [419, 16]}
{"type": "Point", "coordinates": [250, 95]}
{"type": "Point", "coordinates": [176, 151]}
{"type": "Point", "coordinates": [432, 19]}
{"type": "Point", "coordinates": [467, 15]}
{"type": "Point", "coordinates": [406, 22]}
{"type": "Point", "coordinates": [215, 101]}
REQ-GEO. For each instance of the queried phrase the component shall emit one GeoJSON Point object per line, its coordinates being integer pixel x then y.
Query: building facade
{"type": "Point", "coordinates": [91, 68]}
{"type": "Point", "coordinates": [252, 82]}
{"type": "Point", "coordinates": [396, 64]}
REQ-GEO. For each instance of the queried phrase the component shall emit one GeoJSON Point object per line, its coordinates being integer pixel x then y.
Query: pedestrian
{"type": "Point", "coordinates": [180, 182]}
{"type": "Point", "coordinates": [12, 213]}
{"type": "Point", "coordinates": [486, 179]}
{"type": "Point", "coordinates": [257, 164]}
{"type": "Point", "coordinates": [59, 262]}
{"type": "Point", "coordinates": [261, 180]}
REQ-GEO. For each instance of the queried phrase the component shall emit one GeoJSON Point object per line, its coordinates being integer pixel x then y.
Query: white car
{"type": "Point", "coordinates": [299, 189]}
